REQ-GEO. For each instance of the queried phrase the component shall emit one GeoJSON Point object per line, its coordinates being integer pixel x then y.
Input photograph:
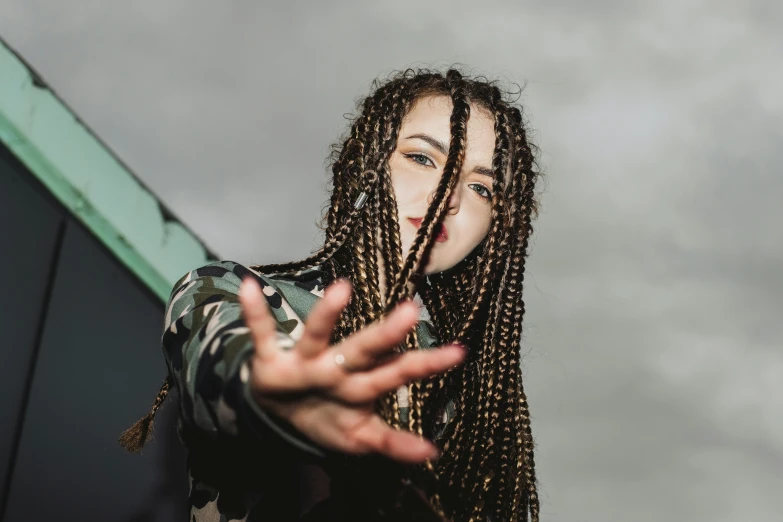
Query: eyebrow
{"type": "Point", "coordinates": [443, 149]}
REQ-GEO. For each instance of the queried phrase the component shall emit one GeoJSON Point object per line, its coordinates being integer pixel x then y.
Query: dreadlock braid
{"type": "Point", "coordinates": [508, 356]}
{"type": "Point", "coordinates": [390, 242]}
{"type": "Point", "coordinates": [465, 282]}
{"type": "Point", "coordinates": [459, 123]}
{"type": "Point", "coordinates": [488, 270]}
{"type": "Point", "coordinates": [478, 460]}
{"type": "Point", "coordinates": [526, 210]}
{"type": "Point", "coordinates": [499, 167]}
{"type": "Point", "coordinates": [497, 452]}
{"type": "Point", "coordinates": [135, 437]}
{"type": "Point", "coordinates": [434, 215]}
{"type": "Point", "coordinates": [386, 111]}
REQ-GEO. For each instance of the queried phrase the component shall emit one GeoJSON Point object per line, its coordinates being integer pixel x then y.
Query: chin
{"type": "Point", "coordinates": [432, 267]}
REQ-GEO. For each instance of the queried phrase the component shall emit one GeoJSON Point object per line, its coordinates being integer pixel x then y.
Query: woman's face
{"type": "Point", "coordinates": [416, 167]}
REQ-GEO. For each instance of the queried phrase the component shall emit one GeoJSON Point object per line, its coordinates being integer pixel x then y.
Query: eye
{"type": "Point", "coordinates": [481, 190]}
{"type": "Point", "coordinates": [420, 159]}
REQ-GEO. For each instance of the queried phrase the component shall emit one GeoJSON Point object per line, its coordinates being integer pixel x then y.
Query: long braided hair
{"type": "Point", "coordinates": [487, 469]}
{"type": "Point", "coordinates": [487, 459]}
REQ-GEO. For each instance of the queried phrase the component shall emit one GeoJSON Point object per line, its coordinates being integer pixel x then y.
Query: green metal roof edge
{"type": "Point", "coordinates": [91, 182]}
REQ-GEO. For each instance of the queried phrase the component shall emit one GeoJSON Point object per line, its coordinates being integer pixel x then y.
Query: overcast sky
{"type": "Point", "coordinates": [653, 359]}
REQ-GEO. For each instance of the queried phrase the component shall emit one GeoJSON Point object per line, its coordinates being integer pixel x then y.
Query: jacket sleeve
{"type": "Point", "coordinates": [208, 346]}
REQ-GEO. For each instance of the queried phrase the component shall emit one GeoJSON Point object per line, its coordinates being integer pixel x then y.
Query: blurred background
{"type": "Point", "coordinates": [652, 348]}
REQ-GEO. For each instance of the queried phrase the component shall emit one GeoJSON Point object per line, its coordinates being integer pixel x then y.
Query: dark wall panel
{"type": "Point", "coordinates": [29, 225]}
{"type": "Point", "coordinates": [98, 369]}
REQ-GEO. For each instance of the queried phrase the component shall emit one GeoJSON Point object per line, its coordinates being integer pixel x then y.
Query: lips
{"type": "Point", "coordinates": [443, 233]}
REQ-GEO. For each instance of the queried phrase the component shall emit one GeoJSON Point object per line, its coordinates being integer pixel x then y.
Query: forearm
{"type": "Point", "coordinates": [208, 348]}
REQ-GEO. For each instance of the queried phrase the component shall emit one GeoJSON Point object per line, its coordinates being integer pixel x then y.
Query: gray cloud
{"type": "Point", "coordinates": [653, 344]}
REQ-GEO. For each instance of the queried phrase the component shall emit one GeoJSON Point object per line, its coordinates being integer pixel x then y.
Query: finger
{"type": "Point", "coordinates": [362, 349]}
{"type": "Point", "coordinates": [263, 327]}
{"type": "Point", "coordinates": [364, 387]}
{"type": "Point", "coordinates": [321, 321]}
{"type": "Point", "coordinates": [404, 446]}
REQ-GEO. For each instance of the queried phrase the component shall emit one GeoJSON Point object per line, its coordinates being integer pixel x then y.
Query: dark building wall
{"type": "Point", "coordinates": [80, 360]}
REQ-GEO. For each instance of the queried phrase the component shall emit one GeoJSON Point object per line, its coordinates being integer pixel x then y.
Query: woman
{"type": "Point", "coordinates": [297, 401]}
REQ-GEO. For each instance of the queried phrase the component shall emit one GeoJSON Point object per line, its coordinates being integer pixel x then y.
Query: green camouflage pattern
{"type": "Point", "coordinates": [207, 347]}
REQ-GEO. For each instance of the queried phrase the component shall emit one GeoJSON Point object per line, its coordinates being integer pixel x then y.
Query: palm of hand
{"type": "Point", "coordinates": [331, 403]}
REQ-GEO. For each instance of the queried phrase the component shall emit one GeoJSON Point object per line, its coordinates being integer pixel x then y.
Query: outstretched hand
{"type": "Point", "coordinates": [328, 392]}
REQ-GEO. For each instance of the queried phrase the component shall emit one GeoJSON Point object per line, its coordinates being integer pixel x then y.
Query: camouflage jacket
{"type": "Point", "coordinates": [243, 463]}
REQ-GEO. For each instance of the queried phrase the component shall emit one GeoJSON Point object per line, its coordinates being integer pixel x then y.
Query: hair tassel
{"type": "Point", "coordinates": [134, 438]}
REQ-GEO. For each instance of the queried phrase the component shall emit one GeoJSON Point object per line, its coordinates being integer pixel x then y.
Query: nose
{"type": "Point", "coordinates": [454, 199]}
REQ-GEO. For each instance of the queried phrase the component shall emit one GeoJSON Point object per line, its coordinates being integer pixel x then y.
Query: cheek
{"type": "Point", "coordinates": [479, 225]}
{"type": "Point", "coordinates": [479, 234]}
{"type": "Point", "coordinates": [406, 192]}
{"type": "Point", "coordinates": [397, 181]}
{"type": "Point", "coordinates": [411, 187]}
